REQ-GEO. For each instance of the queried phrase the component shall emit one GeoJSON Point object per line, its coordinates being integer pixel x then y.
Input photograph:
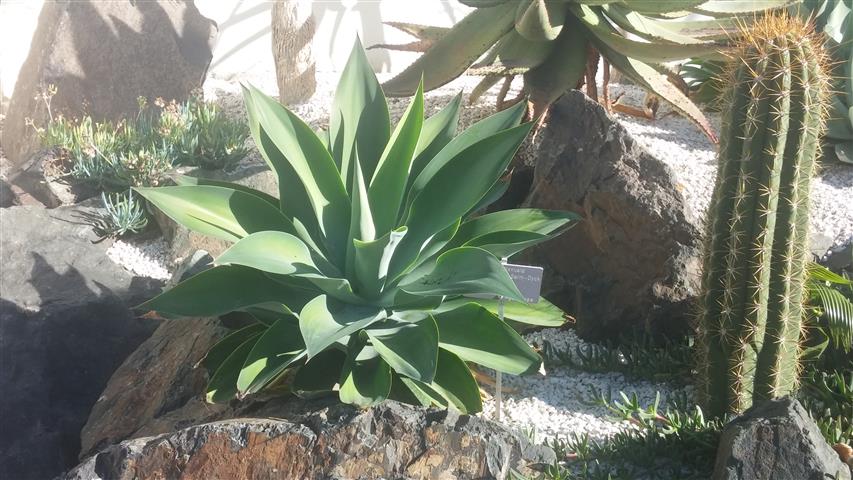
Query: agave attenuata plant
{"type": "Point", "coordinates": [356, 277]}
{"type": "Point", "coordinates": [552, 43]}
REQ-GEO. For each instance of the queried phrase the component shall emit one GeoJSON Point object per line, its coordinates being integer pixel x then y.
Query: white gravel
{"type": "Point", "coordinates": [557, 404]}
{"type": "Point", "coordinates": [145, 258]}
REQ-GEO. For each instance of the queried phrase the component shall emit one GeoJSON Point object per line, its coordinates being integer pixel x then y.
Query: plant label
{"type": "Point", "coordinates": [528, 279]}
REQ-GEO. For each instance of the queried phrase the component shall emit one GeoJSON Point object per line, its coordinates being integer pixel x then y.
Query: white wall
{"type": "Point", "coordinates": [244, 38]}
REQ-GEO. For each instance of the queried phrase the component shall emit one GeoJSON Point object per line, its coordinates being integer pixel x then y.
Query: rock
{"type": "Point", "coordinates": [8, 197]}
{"type": "Point", "coordinates": [776, 440]}
{"type": "Point", "coordinates": [182, 241]}
{"type": "Point", "coordinates": [636, 255]}
{"type": "Point", "coordinates": [44, 177]}
{"type": "Point", "coordinates": [292, 35]}
{"type": "Point", "coordinates": [101, 56]}
{"type": "Point", "coordinates": [158, 388]}
{"type": "Point", "coordinates": [64, 328]}
{"type": "Point", "coordinates": [390, 440]}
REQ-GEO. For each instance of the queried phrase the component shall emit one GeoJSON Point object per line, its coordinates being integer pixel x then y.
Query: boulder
{"type": "Point", "coordinates": [776, 440]}
{"type": "Point", "coordinates": [391, 440]}
{"type": "Point", "coordinates": [65, 327]}
{"type": "Point", "coordinates": [634, 260]}
{"type": "Point", "coordinates": [292, 36]}
{"type": "Point", "coordinates": [101, 56]}
{"type": "Point", "coordinates": [44, 177]}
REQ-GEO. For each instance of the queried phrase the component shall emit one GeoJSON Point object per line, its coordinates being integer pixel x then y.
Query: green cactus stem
{"type": "Point", "coordinates": [754, 265]}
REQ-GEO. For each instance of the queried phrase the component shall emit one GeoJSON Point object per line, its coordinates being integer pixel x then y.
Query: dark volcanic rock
{"type": "Point", "coordinates": [636, 255]}
{"type": "Point", "coordinates": [64, 328]}
{"type": "Point", "coordinates": [776, 440]}
{"type": "Point", "coordinates": [101, 56]}
{"type": "Point", "coordinates": [391, 440]}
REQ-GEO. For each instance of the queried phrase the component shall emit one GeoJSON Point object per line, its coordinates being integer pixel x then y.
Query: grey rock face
{"type": "Point", "coordinates": [101, 56]}
{"type": "Point", "coordinates": [636, 255]}
{"type": "Point", "coordinates": [391, 440]}
{"type": "Point", "coordinates": [65, 327]}
{"type": "Point", "coordinates": [776, 440]}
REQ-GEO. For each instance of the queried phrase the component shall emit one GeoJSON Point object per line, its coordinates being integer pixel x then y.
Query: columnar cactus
{"type": "Point", "coordinates": [751, 308]}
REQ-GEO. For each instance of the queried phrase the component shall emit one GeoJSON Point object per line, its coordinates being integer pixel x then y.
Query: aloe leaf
{"type": "Point", "coordinates": [372, 260]}
{"type": "Point", "coordinates": [321, 373]}
{"type": "Point", "coordinates": [451, 55]}
{"type": "Point", "coordinates": [648, 28]}
{"type": "Point", "coordinates": [734, 7]}
{"type": "Point", "coordinates": [275, 350]}
{"type": "Point", "coordinates": [454, 381]}
{"type": "Point", "coordinates": [314, 166]}
{"type": "Point", "coordinates": [389, 182]}
{"type": "Point", "coordinates": [540, 20]}
{"type": "Point", "coordinates": [450, 192]}
{"type": "Point", "coordinates": [543, 313]}
{"type": "Point", "coordinates": [437, 131]}
{"type": "Point", "coordinates": [655, 52]}
{"type": "Point", "coordinates": [323, 321]}
{"type": "Point", "coordinates": [222, 349]}
{"type": "Point", "coordinates": [219, 212]}
{"type": "Point", "coordinates": [293, 198]}
{"type": "Point", "coordinates": [222, 386]}
{"type": "Point", "coordinates": [410, 348]}
{"type": "Point", "coordinates": [364, 382]}
{"type": "Point", "coordinates": [361, 225]}
{"type": "Point", "coordinates": [462, 271]}
{"type": "Point", "coordinates": [220, 290]}
{"type": "Point", "coordinates": [534, 220]}
{"type": "Point", "coordinates": [476, 335]}
{"type": "Point", "coordinates": [274, 252]}
{"type": "Point", "coordinates": [561, 71]}
{"type": "Point", "coordinates": [661, 6]}
{"type": "Point", "coordinates": [516, 51]}
{"type": "Point", "coordinates": [359, 112]}
{"type": "Point", "coordinates": [186, 180]}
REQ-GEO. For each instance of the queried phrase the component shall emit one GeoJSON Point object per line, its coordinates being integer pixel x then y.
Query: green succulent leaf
{"type": "Point", "coordinates": [186, 180]}
{"type": "Point", "coordinates": [364, 382]}
{"type": "Point", "coordinates": [389, 183]}
{"type": "Point", "coordinates": [454, 381]}
{"type": "Point", "coordinates": [540, 20]}
{"type": "Point", "coordinates": [222, 386]}
{"type": "Point", "coordinates": [410, 348]}
{"type": "Point", "coordinates": [313, 165]}
{"type": "Point", "coordinates": [488, 228]}
{"type": "Point", "coordinates": [274, 252]}
{"type": "Point", "coordinates": [219, 212]}
{"type": "Point", "coordinates": [223, 348]}
{"type": "Point", "coordinates": [360, 122]}
{"type": "Point", "coordinates": [320, 374]}
{"type": "Point", "coordinates": [561, 71]}
{"type": "Point", "coordinates": [324, 321]}
{"type": "Point", "coordinates": [220, 290]}
{"type": "Point", "coordinates": [462, 271]}
{"type": "Point", "coordinates": [476, 335]}
{"type": "Point", "coordinates": [437, 131]}
{"type": "Point", "coordinates": [273, 352]}
{"type": "Point", "coordinates": [451, 55]}
{"type": "Point", "coordinates": [372, 260]}
{"type": "Point", "coordinates": [542, 314]}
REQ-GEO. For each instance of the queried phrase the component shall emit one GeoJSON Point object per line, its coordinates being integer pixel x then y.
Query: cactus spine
{"type": "Point", "coordinates": [754, 265]}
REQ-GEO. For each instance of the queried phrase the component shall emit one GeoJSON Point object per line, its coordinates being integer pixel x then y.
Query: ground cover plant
{"type": "Point", "coordinates": [139, 152]}
{"type": "Point", "coordinates": [355, 277]}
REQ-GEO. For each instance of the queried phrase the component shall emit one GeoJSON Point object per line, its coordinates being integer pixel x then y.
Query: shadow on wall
{"type": "Point", "coordinates": [369, 25]}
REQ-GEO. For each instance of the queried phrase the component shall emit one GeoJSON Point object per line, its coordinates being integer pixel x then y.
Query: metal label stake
{"type": "Point", "coordinates": [498, 375]}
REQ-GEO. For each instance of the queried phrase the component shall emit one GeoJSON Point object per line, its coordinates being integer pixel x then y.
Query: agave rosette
{"type": "Point", "coordinates": [356, 277]}
{"type": "Point", "coordinates": [548, 41]}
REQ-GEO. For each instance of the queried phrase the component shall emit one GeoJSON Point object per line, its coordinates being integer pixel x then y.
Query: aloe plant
{"type": "Point", "coordinates": [356, 275]}
{"type": "Point", "coordinates": [755, 262]}
{"type": "Point", "coordinates": [550, 43]}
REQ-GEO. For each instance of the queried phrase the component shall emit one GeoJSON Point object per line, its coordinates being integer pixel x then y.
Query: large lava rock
{"type": "Point", "coordinates": [64, 328]}
{"type": "Point", "coordinates": [101, 56]}
{"type": "Point", "coordinates": [391, 440]}
{"type": "Point", "coordinates": [635, 257]}
{"type": "Point", "coordinates": [776, 440]}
